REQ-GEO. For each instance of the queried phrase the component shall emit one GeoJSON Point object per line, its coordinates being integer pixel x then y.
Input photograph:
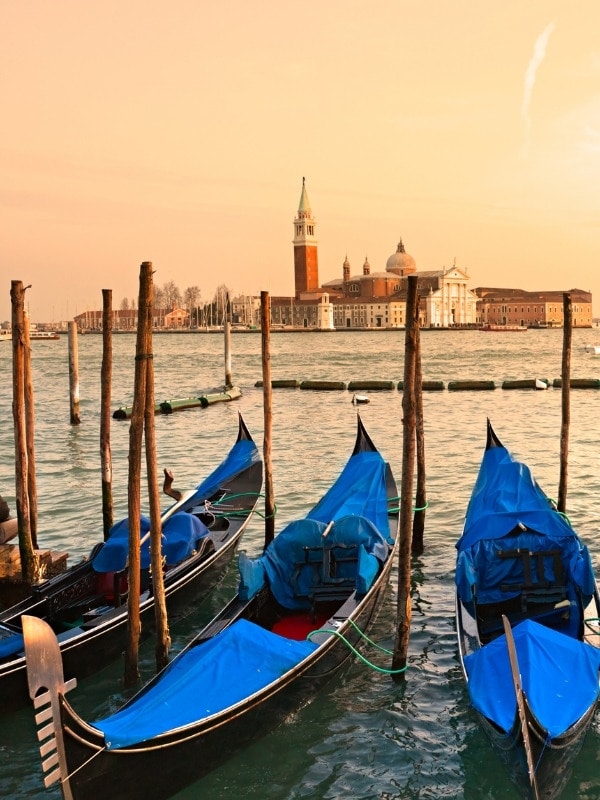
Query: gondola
{"type": "Point", "coordinates": [527, 610]}
{"type": "Point", "coordinates": [86, 606]}
{"type": "Point", "coordinates": [299, 610]}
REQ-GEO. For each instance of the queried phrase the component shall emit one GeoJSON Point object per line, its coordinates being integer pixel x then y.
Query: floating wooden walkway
{"type": "Point", "coordinates": [200, 401]}
{"type": "Point", "coordinates": [433, 386]}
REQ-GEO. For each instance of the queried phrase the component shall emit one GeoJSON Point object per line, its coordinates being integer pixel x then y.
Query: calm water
{"type": "Point", "coordinates": [364, 737]}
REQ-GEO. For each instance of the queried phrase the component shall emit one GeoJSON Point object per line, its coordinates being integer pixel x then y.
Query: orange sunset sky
{"type": "Point", "coordinates": [179, 132]}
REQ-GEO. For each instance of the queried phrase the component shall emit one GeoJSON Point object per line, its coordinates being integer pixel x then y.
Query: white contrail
{"type": "Point", "coordinates": [539, 52]}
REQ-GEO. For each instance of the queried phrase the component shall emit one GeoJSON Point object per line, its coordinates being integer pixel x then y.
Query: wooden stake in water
{"type": "Point", "coordinates": [421, 493]}
{"type": "Point", "coordinates": [265, 327]}
{"type": "Point", "coordinates": [28, 560]}
{"type": "Point", "coordinates": [136, 432]}
{"type": "Point", "coordinates": [227, 331]}
{"type": "Point", "coordinates": [73, 374]}
{"type": "Point", "coordinates": [566, 401]}
{"type": "Point", "coordinates": [404, 605]}
{"type": "Point", "coordinates": [163, 639]}
{"type": "Point", "coordinates": [105, 400]}
{"type": "Point", "coordinates": [30, 434]}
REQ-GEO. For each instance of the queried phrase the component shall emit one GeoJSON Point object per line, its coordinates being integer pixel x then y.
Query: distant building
{"type": "Point", "coordinates": [369, 299]}
{"type": "Point", "coordinates": [534, 309]}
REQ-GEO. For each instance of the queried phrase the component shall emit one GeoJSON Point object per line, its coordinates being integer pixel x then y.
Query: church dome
{"type": "Point", "coordinates": [401, 262]}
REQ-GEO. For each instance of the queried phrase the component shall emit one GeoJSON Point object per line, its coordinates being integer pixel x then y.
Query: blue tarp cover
{"type": "Point", "coordinates": [114, 554]}
{"type": "Point", "coordinates": [292, 584]}
{"type": "Point", "coordinates": [359, 490]}
{"type": "Point", "coordinates": [506, 495]}
{"type": "Point", "coordinates": [181, 534]}
{"type": "Point", "coordinates": [241, 456]}
{"type": "Point", "coordinates": [559, 676]}
{"type": "Point", "coordinates": [205, 680]}
{"type": "Point", "coordinates": [10, 643]}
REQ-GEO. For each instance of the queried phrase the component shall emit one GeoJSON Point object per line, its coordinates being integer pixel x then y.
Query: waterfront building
{"type": "Point", "coordinates": [533, 309]}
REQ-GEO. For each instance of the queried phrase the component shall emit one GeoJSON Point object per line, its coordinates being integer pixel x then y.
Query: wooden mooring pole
{"type": "Point", "coordinates": [73, 374]}
{"type": "Point", "coordinates": [404, 605]}
{"type": "Point", "coordinates": [421, 493]}
{"type": "Point", "coordinates": [227, 331]}
{"type": "Point", "coordinates": [105, 400]}
{"type": "Point", "coordinates": [26, 550]}
{"type": "Point", "coordinates": [136, 431]}
{"type": "Point", "coordinates": [30, 435]}
{"type": "Point", "coordinates": [566, 401]}
{"type": "Point", "coordinates": [265, 328]}
{"type": "Point", "coordinates": [163, 638]}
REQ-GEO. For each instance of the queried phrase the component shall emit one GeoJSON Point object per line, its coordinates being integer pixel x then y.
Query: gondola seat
{"type": "Point", "coordinates": [304, 567]}
{"type": "Point", "coordinates": [525, 575]}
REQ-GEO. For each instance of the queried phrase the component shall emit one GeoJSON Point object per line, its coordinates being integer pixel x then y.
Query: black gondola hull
{"type": "Point", "coordinates": [131, 774]}
{"type": "Point", "coordinates": [100, 639]}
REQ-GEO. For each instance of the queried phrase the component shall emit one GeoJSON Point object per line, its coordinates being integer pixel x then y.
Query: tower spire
{"type": "Point", "coordinates": [306, 265]}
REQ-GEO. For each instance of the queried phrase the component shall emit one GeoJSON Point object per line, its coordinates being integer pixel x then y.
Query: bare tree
{"type": "Point", "coordinates": [191, 298]}
{"type": "Point", "coordinates": [159, 298]}
{"type": "Point", "coordinates": [171, 295]}
{"type": "Point", "coordinates": [124, 304]}
{"type": "Point", "coordinates": [221, 301]}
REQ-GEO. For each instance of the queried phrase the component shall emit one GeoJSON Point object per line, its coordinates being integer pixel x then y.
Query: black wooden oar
{"type": "Point", "coordinates": [516, 676]}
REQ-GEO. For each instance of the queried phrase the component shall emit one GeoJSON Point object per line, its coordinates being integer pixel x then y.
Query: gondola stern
{"type": "Point", "coordinates": [364, 443]}
{"type": "Point", "coordinates": [47, 687]}
{"type": "Point", "coordinates": [243, 432]}
{"type": "Point", "coordinates": [492, 439]}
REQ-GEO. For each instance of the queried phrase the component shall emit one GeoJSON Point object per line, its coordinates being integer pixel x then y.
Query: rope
{"type": "Point", "coordinates": [587, 621]}
{"type": "Point", "coordinates": [355, 651]}
{"type": "Point", "coordinates": [547, 742]}
{"type": "Point", "coordinates": [241, 512]}
{"type": "Point", "coordinates": [81, 766]}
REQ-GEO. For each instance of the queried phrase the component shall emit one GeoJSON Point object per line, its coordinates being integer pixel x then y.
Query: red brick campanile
{"type": "Point", "coordinates": [306, 260]}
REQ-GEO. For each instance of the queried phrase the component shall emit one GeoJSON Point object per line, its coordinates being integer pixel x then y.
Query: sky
{"type": "Point", "coordinates": [179, 133]}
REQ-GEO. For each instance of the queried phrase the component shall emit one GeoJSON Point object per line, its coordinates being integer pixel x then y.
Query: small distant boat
{"type": "Point", "coordinates": [540, 384]}
{"type": "Point", "coordinates": [5, 335]}
{"type": "Point", "coordinates": [43, 335]}
{"type": "Point", "coordinates": [490, 327]}
{"type": "Point", "coordinates": [360, 399]}
{"type": "Point", "coordinates": [592, 349]}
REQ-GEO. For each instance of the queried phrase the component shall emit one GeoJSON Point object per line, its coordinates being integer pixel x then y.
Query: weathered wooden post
{"type": "Point", "coordinates": [105, 398]}
{"type": "Point", "coordinates": [566, 401]}
{"type": "Point", "coordinates": [73, 374]}
{"type": "Point", "coordinates": [421, 493]}
{"type": "Point", "coordinates": [163, 639]}
{"type": "Point", "coordinates": [30, 434]}
{"type": "Point", "coordinates": [227, 331]}
{"type": "Point", "coordinates": [136, 431]}
{"type": "Point", "coordinates": [404, 605]}
{"type": "Point", "coordinates": [26, 551]}
{"type": "Point", "coordinates": [265, 332]}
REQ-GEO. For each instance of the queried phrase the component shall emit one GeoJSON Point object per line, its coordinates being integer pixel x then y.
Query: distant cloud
{"type": "Point", "coordinates": [539, 53]}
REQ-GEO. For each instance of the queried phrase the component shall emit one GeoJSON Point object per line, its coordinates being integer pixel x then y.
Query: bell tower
{"type": "Point", "coordinates": [306, 261]}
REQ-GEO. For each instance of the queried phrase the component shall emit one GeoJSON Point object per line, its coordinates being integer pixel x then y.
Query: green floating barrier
{"type": "Point", "coordinates": [323, 385]}
{"type": "Point", "coordinates": [579, 383]}
{"type": "Point", "coordinates": [427, 386]}
{"type": "Point", "coordinates": [201, 401]}
{"type": "Point", "coordinates": [372, 385]}
{"type": "Point", "coordinates": [470, 386]}
{"type": "Point", "coordinates": [282, 384]}
{"type": "Point", "coordinates": [526, 383]}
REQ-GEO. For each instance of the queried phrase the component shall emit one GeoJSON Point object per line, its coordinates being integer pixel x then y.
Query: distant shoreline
{"type": "Point", "coordinates": [160, 331]}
